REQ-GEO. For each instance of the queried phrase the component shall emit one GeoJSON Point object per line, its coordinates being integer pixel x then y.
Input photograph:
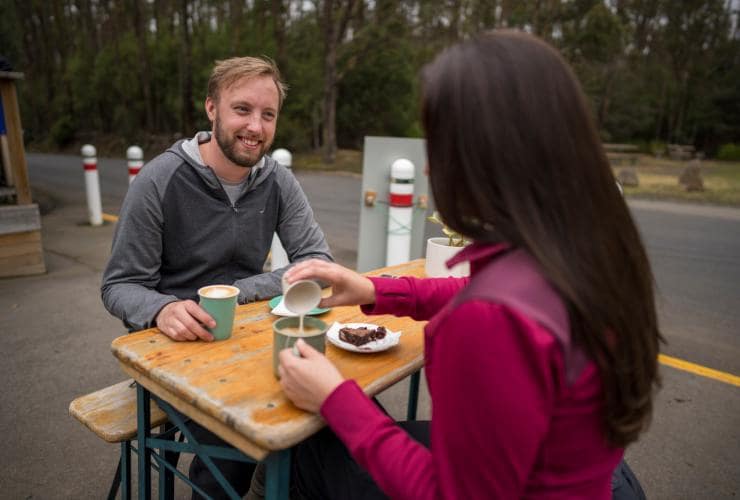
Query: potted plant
{"type": "Point", "coordinates": [441, 249]}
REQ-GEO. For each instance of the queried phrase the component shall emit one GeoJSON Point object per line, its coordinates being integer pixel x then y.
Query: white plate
{"type": "Point", "coordinates": [391, 338]}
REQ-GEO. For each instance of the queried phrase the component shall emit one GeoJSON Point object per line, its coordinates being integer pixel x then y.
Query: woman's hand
{"type": "Point", "coordinates": [348, 287]}
{"type": "Point", "coordinates": [308, 380]}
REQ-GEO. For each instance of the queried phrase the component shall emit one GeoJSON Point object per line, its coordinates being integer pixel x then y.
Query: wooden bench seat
{"type": "Point", "coordinates": [111, 412]}
{"type": "Point", "coordinates": [621, 154]}
{"type": "Point", "coordinates": [681, 152]}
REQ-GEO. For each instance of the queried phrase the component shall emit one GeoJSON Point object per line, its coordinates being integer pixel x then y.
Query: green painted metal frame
{"type": "Point", "coordinates": [277, 480]}
{"type": "Point", "coordinates": [162, 446]}
{"type": "Point", "coordinates": [122, 477]}
{"type": "Point", "coordinates": [413, 402]}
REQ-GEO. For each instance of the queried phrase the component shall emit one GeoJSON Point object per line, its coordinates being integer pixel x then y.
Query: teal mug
{"type": "Point", "coordinates": [220, 302]}
{"type": "Point", "coordinates": [285, 333]}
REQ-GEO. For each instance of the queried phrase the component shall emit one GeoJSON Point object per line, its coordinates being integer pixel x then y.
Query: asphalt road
{"type": "Point", "coordinates": [693, 447]}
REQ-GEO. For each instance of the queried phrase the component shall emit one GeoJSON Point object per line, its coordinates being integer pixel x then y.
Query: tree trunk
{"type": "Point", "coordinates": [334, 28]}
{"type": "Point", "coordinates": [143, 64]}
{"type": "Point", "coordinates": [236, 12]}
{"type": "Point", "coordinates": [661, 112]}
{"type": "Point", "coordinates": [48, 64]}
{"type": "Point", "coordinates": [503, 19]}
{"type": "Point", "coordinates": [606, 93]}
{"type": "Point", "coordinates": [454, 33]}
{"type": "Point", "coordinates": [186, 80]}
{"type": "Point", "coordinates": [328, 111]}
{"type": "Point", "coordinates": [90, 27]}
{"type": "Point", "coordinates": [278, 28]}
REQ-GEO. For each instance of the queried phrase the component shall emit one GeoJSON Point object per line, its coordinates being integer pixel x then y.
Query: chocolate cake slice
{"type": "Point", "coordinates": [361, 336]}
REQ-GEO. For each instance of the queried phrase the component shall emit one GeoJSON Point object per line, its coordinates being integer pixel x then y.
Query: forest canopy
{"type": "Point", "coordinates": [655, 71]}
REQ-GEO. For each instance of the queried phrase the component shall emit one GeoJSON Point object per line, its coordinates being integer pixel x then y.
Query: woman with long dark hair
{"type": "Point", "coordinates": [542, 365]}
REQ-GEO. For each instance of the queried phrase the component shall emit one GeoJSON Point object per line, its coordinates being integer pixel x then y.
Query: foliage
{"type": "Point", "coordinates": [373, 83]}
{"type": "Point", "coordinates": [653, 72]}
{"type": "Point", "coordinates": [729, 152]}
{"type": "Point", "coordinates": [62, 131]}
{"type": "Point", "coordinates": [455, 238]}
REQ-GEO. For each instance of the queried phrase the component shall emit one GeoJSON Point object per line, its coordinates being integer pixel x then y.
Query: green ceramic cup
{"type": "Point", "coordinates": [220, 302]}
{"type": "Point", "coordinates": [285, 334]}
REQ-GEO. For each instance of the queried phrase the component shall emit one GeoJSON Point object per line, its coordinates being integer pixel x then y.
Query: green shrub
{"type": "Point", "coordinates": [729, 152]}
{"type": "Point", "coordinates": [63, 131]}
{"type": "Point", "coordinates": [657, 148]}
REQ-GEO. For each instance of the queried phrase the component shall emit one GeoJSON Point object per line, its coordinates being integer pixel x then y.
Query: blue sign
{"type": "Point", "coordinates": [2, 119]}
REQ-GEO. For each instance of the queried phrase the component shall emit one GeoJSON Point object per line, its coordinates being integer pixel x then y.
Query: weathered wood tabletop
{"type": "Point", "coordinates": [228, 386]}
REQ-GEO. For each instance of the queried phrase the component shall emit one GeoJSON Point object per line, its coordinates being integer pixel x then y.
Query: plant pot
{"type": "Point", "coordinates": [439, 252]}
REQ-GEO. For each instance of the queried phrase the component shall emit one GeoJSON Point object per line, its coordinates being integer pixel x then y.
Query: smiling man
{"type": "Point", "coordinates": [203, 213]}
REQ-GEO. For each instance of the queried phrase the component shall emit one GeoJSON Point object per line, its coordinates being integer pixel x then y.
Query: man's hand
{"type": "Point", "coordinates": [308, 380]}
{"type": "Point", "coordinates": [183, 320]}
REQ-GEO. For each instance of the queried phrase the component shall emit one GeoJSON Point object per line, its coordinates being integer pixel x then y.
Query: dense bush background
{"type": "Point", "coordinates": [656, 71]}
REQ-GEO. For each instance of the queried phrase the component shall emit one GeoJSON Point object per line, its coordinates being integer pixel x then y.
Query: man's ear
{"type": "Point", "coordinates": [210, 106]}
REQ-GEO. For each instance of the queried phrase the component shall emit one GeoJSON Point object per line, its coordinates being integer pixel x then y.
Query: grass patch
{"type": "Point", "coordinates": [658, 179]}
{"type": "Point", "coordinates": [347, 160]}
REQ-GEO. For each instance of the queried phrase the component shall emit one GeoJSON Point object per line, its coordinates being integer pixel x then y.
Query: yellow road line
{"type": "Point", "coordinates": [110, 218]}
{"type": "Point", "coordinates": [703, 371]}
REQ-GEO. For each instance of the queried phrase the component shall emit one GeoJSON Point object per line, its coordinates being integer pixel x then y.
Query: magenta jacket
{"type": "Point", "coordinates": [516, 409]}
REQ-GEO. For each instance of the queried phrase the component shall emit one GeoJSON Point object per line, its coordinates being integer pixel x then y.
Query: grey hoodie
{"type": "Point", "coordinates": [178, 231]}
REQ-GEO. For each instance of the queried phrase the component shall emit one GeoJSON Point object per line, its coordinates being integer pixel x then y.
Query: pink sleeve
{"type": "Point", "coordinates": [493, 391]}
{"type": "Point", "coordinates": [417, 298]}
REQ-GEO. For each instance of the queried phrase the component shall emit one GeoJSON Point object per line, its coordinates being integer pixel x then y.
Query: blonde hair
{"type": "Point", "coordinates": [228, 71]}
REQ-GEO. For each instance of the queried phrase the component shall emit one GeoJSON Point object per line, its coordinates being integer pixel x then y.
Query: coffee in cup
{"type": "Point", "coordinates": [220, 302]}
{"type": "Point", "coordinates": [286, 332]}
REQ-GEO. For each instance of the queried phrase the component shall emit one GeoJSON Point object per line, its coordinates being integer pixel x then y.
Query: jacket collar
{"type": "Point", "coordinates": [478, 254]}
{"type": "Point", "coordinates": [187, 149]}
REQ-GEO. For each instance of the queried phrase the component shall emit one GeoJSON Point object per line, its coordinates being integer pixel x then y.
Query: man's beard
{"type": "Point", "coordinates": [229, 144]}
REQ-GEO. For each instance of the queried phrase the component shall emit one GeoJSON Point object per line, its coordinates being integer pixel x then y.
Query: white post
{"type": "Point", "coordinates": [135, 157]}
{"type": "Point", "coordinates": [92, 185]}
{"type": "Point", "coordinates": [279, 257]}
{"type": "Point", "coordinates": [283, 157]}
{"type": "Point", "coordinates": [400, 212]}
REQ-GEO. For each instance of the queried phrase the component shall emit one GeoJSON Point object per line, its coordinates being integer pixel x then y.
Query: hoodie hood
{"type": "Point", "coordinates": [187, 150]}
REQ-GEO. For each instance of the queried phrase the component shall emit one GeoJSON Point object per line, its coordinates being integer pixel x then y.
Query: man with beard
{"type": "Point", "coordinates": [204, 212]}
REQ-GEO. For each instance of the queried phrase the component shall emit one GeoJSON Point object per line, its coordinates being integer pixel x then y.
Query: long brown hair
{"type": "Point", "coordinates": [513, 153]}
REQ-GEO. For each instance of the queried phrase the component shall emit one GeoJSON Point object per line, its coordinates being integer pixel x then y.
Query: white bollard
{"type": "Point", "coordinates": [278, 255]}
{"type": "Point", "coordinates": [135, 157]}
{"type": "Point", "coordinates": [283, 157]}
{"type": "Point", "coordinates": [92, 185]}
{"type": "Point", "coordinates": [400, 212]}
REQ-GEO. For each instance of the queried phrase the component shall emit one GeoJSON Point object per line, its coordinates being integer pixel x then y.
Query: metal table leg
{"type": "Point", "coordinates": [413, 396]}
{"type": "Point", "coordinates": [277, 482]}
{"type": "Point", "coordinates": [143, 412]}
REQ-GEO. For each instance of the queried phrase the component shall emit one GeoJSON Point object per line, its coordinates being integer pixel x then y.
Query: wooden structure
{"type": "Point", "coordinates": [229, 387]}
{"type": "Point", "coordinates": [21, 252]}
{"type": "Point", "coordinates": [111, 414]}
{"type": "Point", "coordinates": [681, 152]}
{"type": "Point", "coordinates": [622, 154]}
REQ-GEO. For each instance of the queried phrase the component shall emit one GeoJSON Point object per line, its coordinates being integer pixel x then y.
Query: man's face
{"type": "Point", "coordinates": [244, 119]}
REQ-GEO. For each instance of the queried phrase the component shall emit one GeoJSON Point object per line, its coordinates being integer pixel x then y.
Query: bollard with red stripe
{"type": "Point", "coordinates": [278, 255]}
{"type": "Point", "coordinates": [92, 185]}
{"type": "Point", "coordinates": [135, 157]}
{"type": "Point", "coordinates": [400, 212]}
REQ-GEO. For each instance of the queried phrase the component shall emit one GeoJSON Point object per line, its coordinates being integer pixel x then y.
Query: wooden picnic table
{"type": "Point", "coordinates": [228, 386]}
